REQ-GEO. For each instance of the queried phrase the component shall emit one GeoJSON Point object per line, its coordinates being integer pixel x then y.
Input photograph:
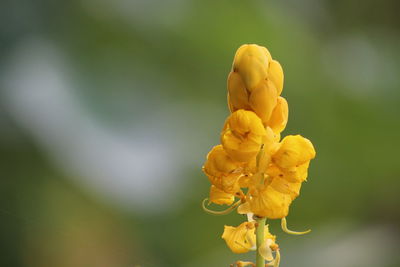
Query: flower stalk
{"type": "Point", "coordinates": [260, 261]}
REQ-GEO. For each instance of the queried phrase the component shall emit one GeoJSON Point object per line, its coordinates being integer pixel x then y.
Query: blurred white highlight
{"type": "Point", "coordinates": [136, 169]}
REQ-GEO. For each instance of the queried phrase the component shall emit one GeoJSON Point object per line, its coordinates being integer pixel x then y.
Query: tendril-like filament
{"type": "Point", "coordinates": [286, 230]}
{"type": "Point", "coordinates": [222, 212]}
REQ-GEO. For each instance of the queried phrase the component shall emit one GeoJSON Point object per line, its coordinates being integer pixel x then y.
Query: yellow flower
{"type": "Point", "coordinates": [219, 197]}
{"type": "Point", "coordinates": [243, 134]}
{"type": "Point", "coordinates": [222, 171]}
{"type": "Point", "coordinates": [266, 201]}
{"type": "Point", "coordinates": [240, 239]}
{"type": "Point", "coordinates": [294, 151]}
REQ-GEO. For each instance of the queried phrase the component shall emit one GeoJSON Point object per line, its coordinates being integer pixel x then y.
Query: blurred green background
{"type": "Point", "coordinates": [108, 109]}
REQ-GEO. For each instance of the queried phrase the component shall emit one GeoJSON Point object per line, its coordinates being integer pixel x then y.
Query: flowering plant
{"type": "Point", "coordinates": [252, 164]}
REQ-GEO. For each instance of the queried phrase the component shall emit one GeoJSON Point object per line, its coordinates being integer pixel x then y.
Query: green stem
{"type": "Point", "coordinates": [260, 262]}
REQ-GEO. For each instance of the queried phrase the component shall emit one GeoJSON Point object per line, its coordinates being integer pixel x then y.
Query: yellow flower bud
{"type": "Point", "coordinates": [279, 116]}
{"type": "Point", "coordinates": [255, 82]}
{"type": "Point", "coordinates": [222, 171]}
{"type": "Point", "coordinates": [268, 202]}
{"type": "Point", "coordinates": [240, 239]}
{"type": "Point", "coordinates": [275, 74]}
{"type": "Point", "coordinates": [242, 135]}
{"type": "Point", "coordinates": [251, 62]}
{"type": "Point", "coordinates": [219, 197]}
{"type": "Point", "coordinates": [294, 150]}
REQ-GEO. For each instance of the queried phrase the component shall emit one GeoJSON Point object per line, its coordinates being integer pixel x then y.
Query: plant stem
{"type": "Point", "coordinates": [260, 262]}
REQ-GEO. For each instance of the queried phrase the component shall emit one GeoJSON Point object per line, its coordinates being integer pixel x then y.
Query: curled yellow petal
{"type": "Point", "coordinates": [286, 230]}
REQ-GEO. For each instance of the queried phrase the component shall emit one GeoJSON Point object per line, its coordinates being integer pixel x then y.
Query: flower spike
{"type": "Point", "coordinates": [252, 169]}
{"type": "Point", "coordinates": [286, 230]}
{"type": "Point", "coordinates": [222, 212]}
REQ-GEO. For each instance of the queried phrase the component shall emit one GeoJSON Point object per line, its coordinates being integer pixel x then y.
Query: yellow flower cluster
{"type": "Point", "coordinates": [252, 163]}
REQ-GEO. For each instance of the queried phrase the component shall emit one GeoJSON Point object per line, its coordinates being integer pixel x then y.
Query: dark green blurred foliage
{"type": "Point", "coordinates": [159, 69]}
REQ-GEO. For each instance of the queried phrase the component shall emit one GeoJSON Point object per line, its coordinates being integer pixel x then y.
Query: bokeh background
{"type": "Point", "coordinates": [108, 109]}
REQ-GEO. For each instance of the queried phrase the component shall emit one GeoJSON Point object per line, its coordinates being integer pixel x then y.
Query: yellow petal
{"type": "Point", "coordinates": [250, 167]}
{"type": "Point", "coordinates": [238, 97]}
{"type": "Point", "coordinates": [245, 181]}
{"type": "Point", "coordinates": [263, 100]}
{"type": "Point", "coordinates": [240, 239]}
{"type": "Point", "coordinates": [270, 203]}
{"type": "Point", "coordinates": [275, 74]}
{"type": "Point", "coordinates": [285, 187]}
{"type": "Point", "coordinates": [244, 208]}
{"type": "Point", "coordinates": [219, 197]}
{"type": "Point", "coordinates": [270, 141]}
{"type": "Point", "coordinates": [251, 62]}
{"type": "Point", "coordinates": [279, 116]}
{"type": "Point", "coordinates": [268, 245]}
{"type": "Point", "coordinates": [222, 171]}
{"type": "Point", "coordinates": [266, 51]}
{"type": "Point", "coordinates": [294, 150]}
{"type": "Point", "coordinates": [230, 106]}
{"type": "Point", "coordinates": [264, 160]}
{"type": "Point", "coordinates": [293, 175]}
{"type": "Point", "coordinates": [266, 251]}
